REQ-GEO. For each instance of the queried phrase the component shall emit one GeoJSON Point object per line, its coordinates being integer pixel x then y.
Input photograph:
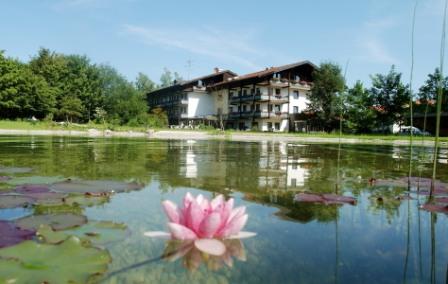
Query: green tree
{"type": "Point", "coordinates": [167, 78]}
{"type": "Point", "coordinates": [71, 108]}
{"type": "Point", "coordinates": [390, 98]}
{"type": "Point", "coordinates": [428, 91]}
{"type": "Point", "coordinates": [123, 103]}
{"type": "Point", "coordinates": [22, 93]}
{"type": "Point", "coordinates": [328, 85]}
{"type": "Point", "coordinates": [360, 115]}
{"type": "Point", "coordinates": [143, 84]}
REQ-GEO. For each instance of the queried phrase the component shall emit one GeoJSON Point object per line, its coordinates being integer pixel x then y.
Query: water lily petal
{"type": "Point", "coordinates": [210, 246]}
{"type": "Point", "coordinates": [242, 235]}
{"type": "Point", "coordinates": [234, 226]}
{"type": "Point", "coordinates": [171, 211]}
{"type": "Point", "coordinates": [236, 213]}
{"type": "Point", "coordinates": [217, 201]}
{"type": "Point", "coordinates": [157, 234]}
{"type": "Point", "coordinates": [210, 225]}
{"type": "Point", "coordinates": [194, 216]}
{"type": "Point", "coordinates": [181, 232]}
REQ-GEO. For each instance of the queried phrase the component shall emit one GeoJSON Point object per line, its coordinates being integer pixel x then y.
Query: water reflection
{"type": "Point", "coordinates": [382, 238]}
{"type": "Point", "coordinates": [191, 257]}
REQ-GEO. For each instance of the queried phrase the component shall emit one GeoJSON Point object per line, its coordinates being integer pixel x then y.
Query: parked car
{"type": "Point", "coordinates": [406, 130]}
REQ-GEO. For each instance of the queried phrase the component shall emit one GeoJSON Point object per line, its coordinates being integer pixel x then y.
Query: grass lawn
{"type": "Point", "coordinates": [44, 125]}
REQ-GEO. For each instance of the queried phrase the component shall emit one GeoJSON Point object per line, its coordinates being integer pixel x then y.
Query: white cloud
{"type": "Point", "coordinates": [223, 45]}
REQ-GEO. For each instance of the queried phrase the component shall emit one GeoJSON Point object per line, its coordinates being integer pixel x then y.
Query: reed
{"type": "Point", "coordinates": [439, 100]}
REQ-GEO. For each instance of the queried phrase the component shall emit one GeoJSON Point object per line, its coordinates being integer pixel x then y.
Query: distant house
{"type": "Point", "coordinates": [189, 102]}
{"type": "Point", "coordinates": [268, 100]}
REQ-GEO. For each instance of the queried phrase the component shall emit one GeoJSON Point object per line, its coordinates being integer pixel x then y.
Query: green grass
{"type": "Point", "coordinates": [43, 125]}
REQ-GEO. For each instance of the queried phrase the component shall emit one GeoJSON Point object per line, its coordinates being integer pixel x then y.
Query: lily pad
{"type": "Point", "coordinates": [34, 180]}
{"type": "Point", "coordinates": [85, 200]}
{"type": "Point", "coordinates": [94, 186]}
{"type": "Point", "coordinates": [95, 232]}
{"type": "Point", "coordinates": [40, 209]}
{"type": "Point", "coordinates": [48, 198]}
{"type": "Point", "coordinates": [435, 208]}
{"type": "Point", "coordinates": [68, 262]}
{"type": "Point", "coordinates": [324, 198]}
{"type": "Point", "coordinates": [13, 201]}
{"type": "Point", "coordinates": [14, 170]}
{"type": "Point", "coordinates": [5, 178]}
{"type": "Point", "coordinates": [56, 221]}
{"type": "Point", "coordinates": [31, 188]}
{"type": "Point", "coordinates": [12, 235]}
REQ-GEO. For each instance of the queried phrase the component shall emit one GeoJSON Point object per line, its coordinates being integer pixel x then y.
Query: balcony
{"type": "Point", "coordinates": [249, 98]}
{"type": "Point", "coordinates": [184, 102]}
{"type": "Point", "coordinates": [184, 115]}
{"type": "Point", "coordinates": [279, 99]}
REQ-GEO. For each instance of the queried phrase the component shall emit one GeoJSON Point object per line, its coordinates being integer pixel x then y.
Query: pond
{"type": "Point", "coordinates": [381, 236]}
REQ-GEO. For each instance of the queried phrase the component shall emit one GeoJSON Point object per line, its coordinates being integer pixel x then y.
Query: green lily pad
{"type": "Point", "coordinates": [13, 201]}
{"type": "Point", "coordinates": [56, 221]}
{"type": "Point", "coordinates": [94, 232]}
{"type": "Point", "coordinates": [85, 200]}
{"type": "Point", "coordinates": [94, 186]}
{"type": "Point", "coordinates": [34, 180]}
{"type": "Point", "coordinates": [57, 209]}
{"type": "Point", "coordinates": [47, 235]}
{"type": "Point", "coordinates": [14, 170]}
{"type": "Point", "coordinates": [68, 262]}
{"type": "Point", "coordinates": [48, 198]}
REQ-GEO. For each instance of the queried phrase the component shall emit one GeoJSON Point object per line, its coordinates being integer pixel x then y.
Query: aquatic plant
{"type": "Point", "coordinates": [205, 222]}
{"type": "Point", "coordinates": [439, 95]}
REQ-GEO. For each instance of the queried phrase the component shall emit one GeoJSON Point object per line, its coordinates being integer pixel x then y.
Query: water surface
{"type": "Point", "coordinates": [374, 242]}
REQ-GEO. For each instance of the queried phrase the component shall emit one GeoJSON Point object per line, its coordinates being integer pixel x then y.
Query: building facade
{"type": "Point", "coordinates": [268, 100]}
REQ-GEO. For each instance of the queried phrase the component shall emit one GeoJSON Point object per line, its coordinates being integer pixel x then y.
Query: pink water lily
{"type": "Point", "coordinates": [201, 220]}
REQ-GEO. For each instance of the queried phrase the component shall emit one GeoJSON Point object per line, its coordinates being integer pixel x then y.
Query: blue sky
{"type": "Point", "coordinates": [244, 36]}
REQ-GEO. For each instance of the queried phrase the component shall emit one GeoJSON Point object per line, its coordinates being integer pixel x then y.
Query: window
{"type": "Point", "coordinates": [270, 108]}
{"type": "Point", "coordinates": [278, 92]}
{"type": "Point", "coordinates": [230, 94]}
{"type": "Point", "coordinates": [255, 125]}
{"type": "Point", "coordinates": [258, 91]}
{"type": "Point", "coordinates": [293, 182]}
{"type": "Point", "coordinates": [244, 108]}
{"type": "Point", "coordinates": [239, 108]}
{"type": "Point", "coordinates": [277, 126]}
{"type": "Point", "coordinates": [296, 109]}
{"type": "Point", "coordinates": [277, 108]}
{"type": "Point", "coordinates": [269, 126]}
{"type": "Point", "coordinates": [244, 92]}
{"type": "Point", "coordinates": [257, 107]}
{"type": "Point", "coordinates": [296, 94]}
{"type": "Point", "coordinates": [184, 110]}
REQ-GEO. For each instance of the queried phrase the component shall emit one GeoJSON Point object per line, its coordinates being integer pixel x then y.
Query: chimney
{"type": "Point", "coordinates": [216, 69]}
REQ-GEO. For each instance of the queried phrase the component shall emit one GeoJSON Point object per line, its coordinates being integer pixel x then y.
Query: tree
{"type": "Point", "coordinates": [143, 84]}
{"type": "Point", "coordinates": [123, 103]}
{"type": "Point", "coordinates": [167, 78]}
{"type": "Point", "coordinates": [390, 98]}
{"type": "Point", "coordinates": [428, 91]}
{"type": "Point", "coordinates": [70, 108]}
{"type": "Point", "coordinates": [360, 114]}
{"type": "Point", "coordinates": [328, 84]}
{"type": "Point", "coordinates": [22, 93]}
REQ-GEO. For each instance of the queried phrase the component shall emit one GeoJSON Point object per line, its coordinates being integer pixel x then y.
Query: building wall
{"type": "Point", "coordinates": [200, 104]}
{"type": "Point", "coordinates": [301, 102]}
{"type": "Point", "coordinates": [221, 101]}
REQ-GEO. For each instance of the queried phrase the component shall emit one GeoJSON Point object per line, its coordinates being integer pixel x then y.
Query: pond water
{"type": "Point", "coordinates": [383, 238]}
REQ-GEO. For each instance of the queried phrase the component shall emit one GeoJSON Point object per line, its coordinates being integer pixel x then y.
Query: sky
{"type": "Point", "coordinates": [193, 37]}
